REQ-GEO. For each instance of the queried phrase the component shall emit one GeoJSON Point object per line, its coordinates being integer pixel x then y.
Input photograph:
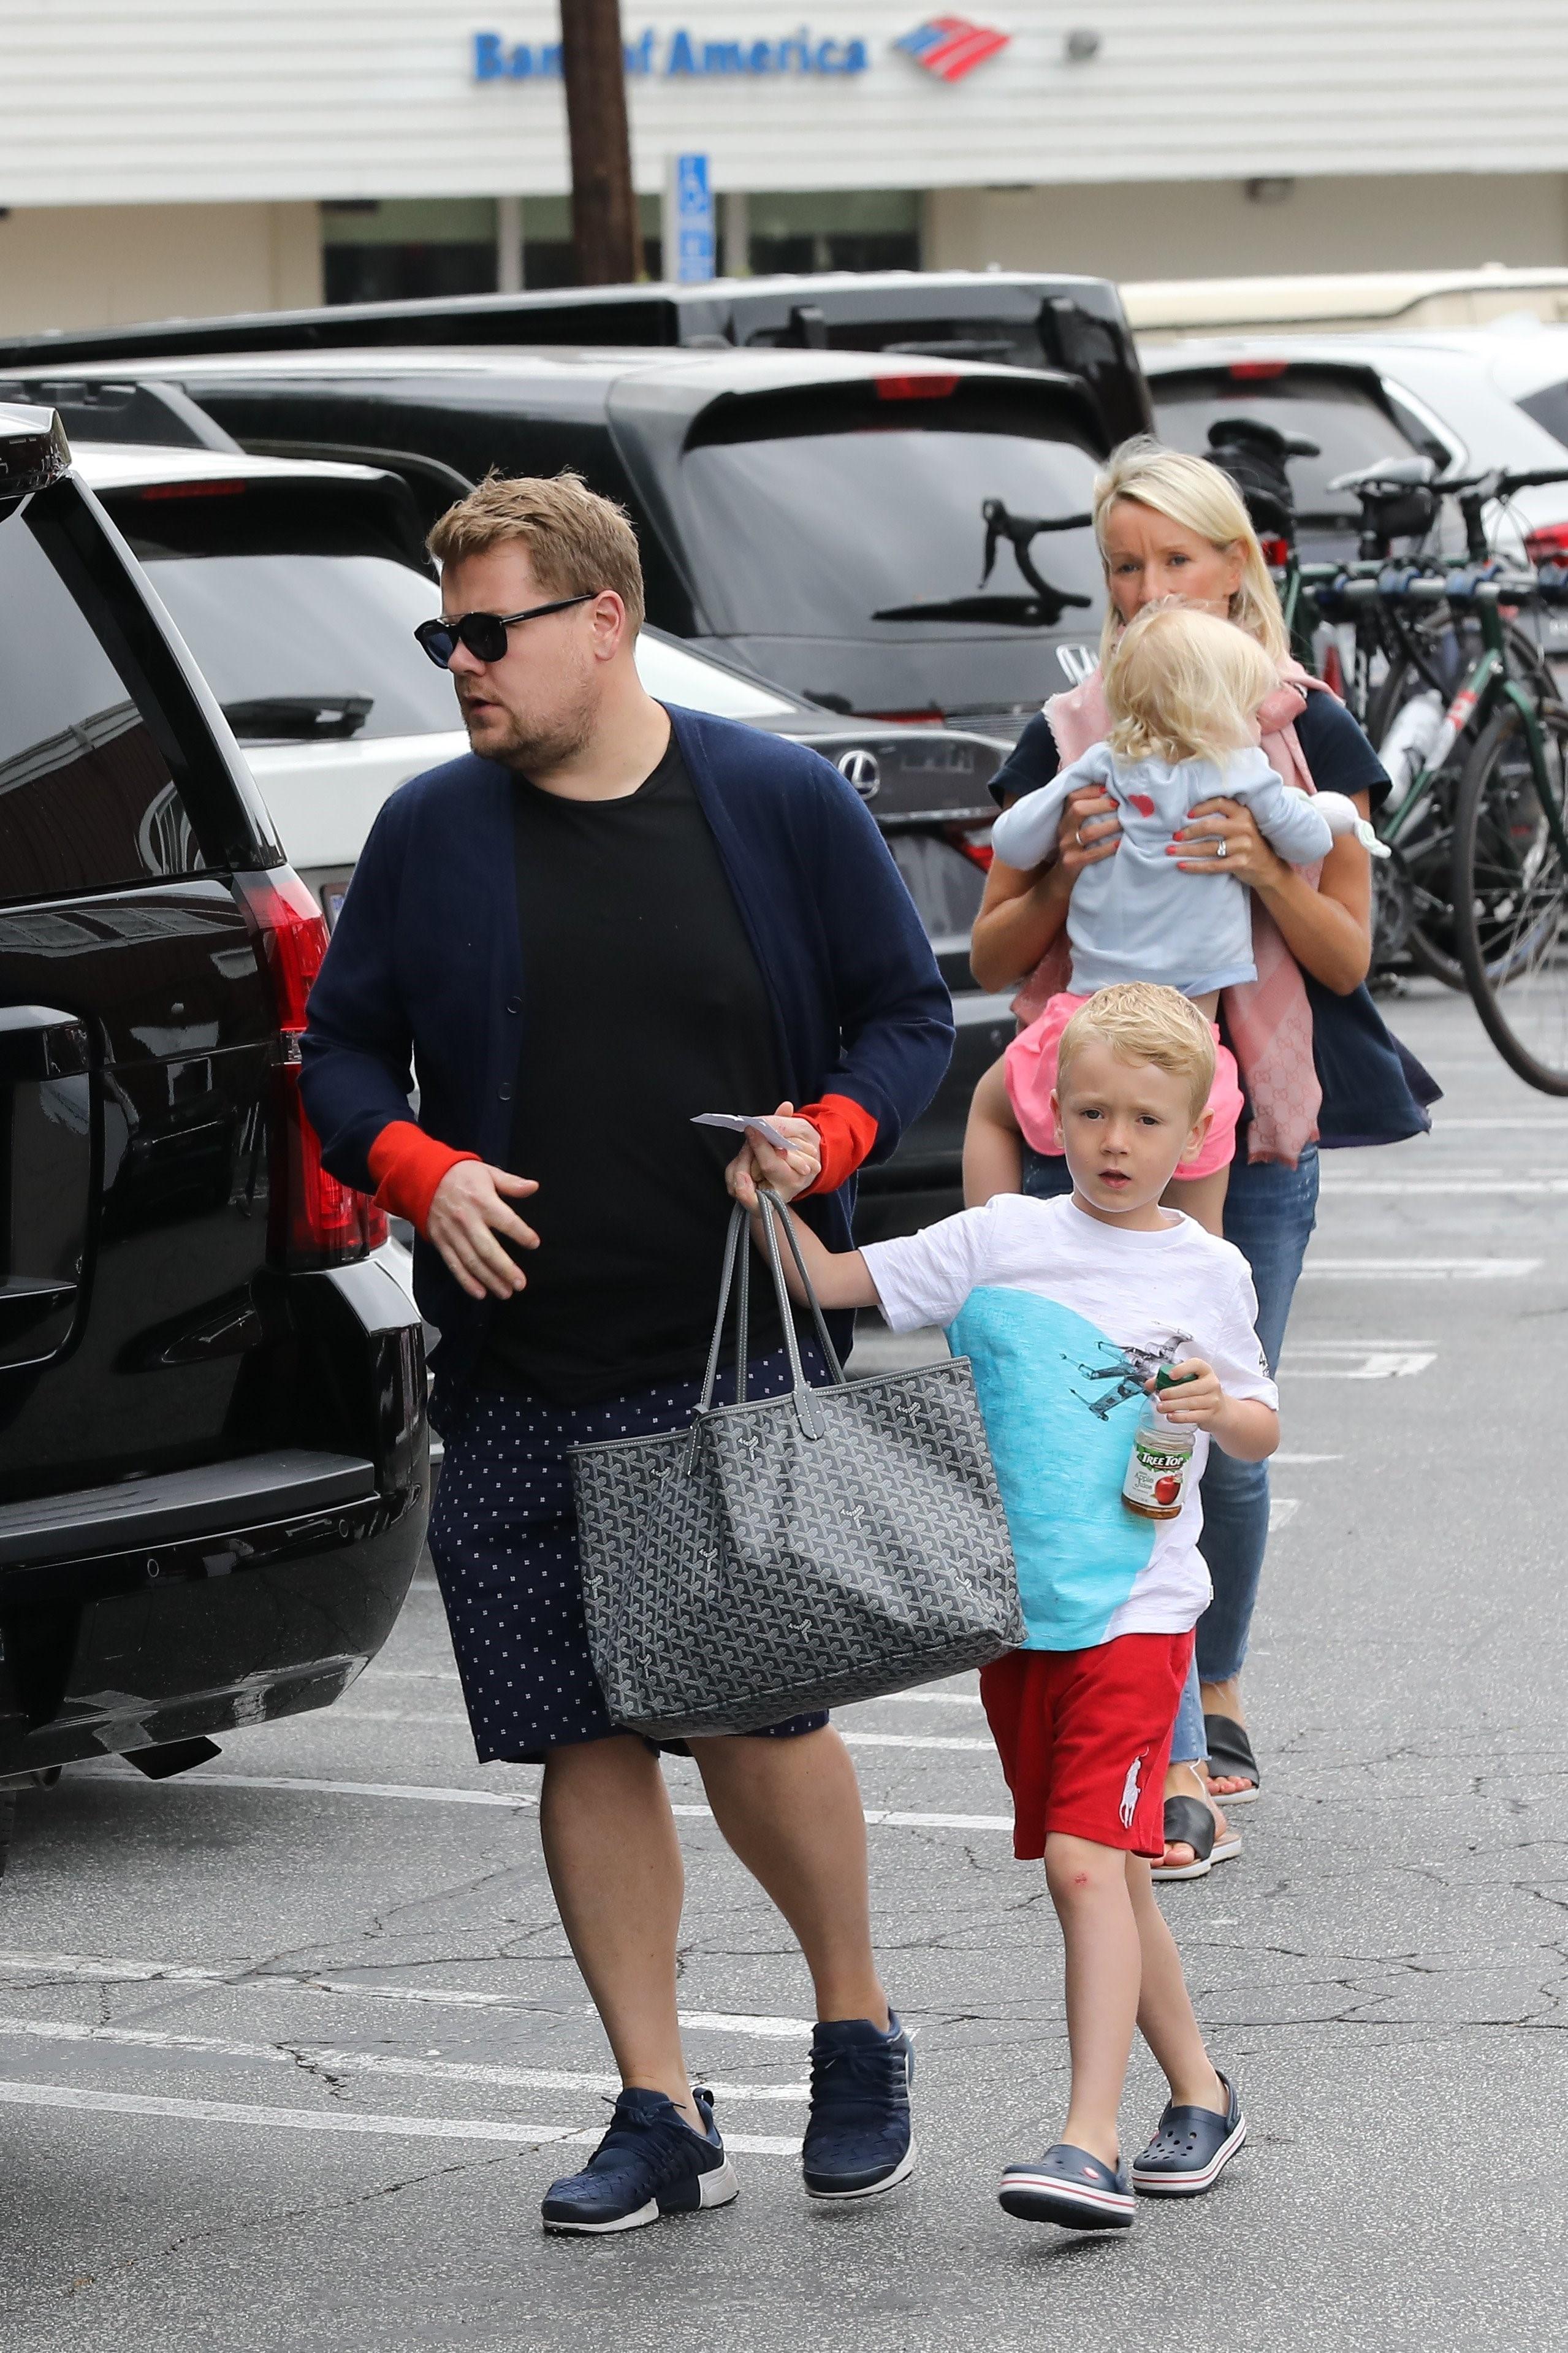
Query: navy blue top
{"type": "Point", "coordinates": [1334, 742]}
{"type": "Point", "coordinates": [424, 972]}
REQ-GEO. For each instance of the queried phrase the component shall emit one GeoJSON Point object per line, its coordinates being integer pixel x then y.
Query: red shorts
{"type": "Point", "coordinates": [1085, 1739]}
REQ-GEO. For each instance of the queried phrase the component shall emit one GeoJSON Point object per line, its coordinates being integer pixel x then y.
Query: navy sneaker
{"type": "Point", "coordinates": [857, 2137]}
{"type": "Point", "coordinates": [649, 2163]}
{"type": "Point", "coordinates": [1191, 2148]}
{"type": "Point", "coordinates": [1070, 2187]}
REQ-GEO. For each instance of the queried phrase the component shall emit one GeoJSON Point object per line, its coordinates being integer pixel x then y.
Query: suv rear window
{"type": "Point", "coordinates": [1549, 409]}
{"type": "Point", "coordinates": [88, 801]}
{"type": "Point", "coordinates": [298, 600]}
{"type": "Point", "coordinates": [1344, 411]}
{"type": "Point", "coordinates": [840, 513]}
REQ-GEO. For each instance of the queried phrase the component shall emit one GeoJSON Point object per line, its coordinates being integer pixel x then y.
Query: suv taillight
{"type": "Point", "coordinates": [313, 1220]}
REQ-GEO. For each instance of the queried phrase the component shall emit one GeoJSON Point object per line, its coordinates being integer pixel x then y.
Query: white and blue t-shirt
{"type": "Point", "coordinates": [1064, 1318]}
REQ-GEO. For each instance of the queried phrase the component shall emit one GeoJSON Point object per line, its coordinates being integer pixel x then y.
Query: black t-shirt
{"type": "Point", "coordinates": [1333, 744]}
{"type": "Point", "coordinates": [642, 1004]}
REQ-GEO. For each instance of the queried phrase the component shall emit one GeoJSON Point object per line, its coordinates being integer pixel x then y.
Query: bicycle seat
{"type": "Point", "coordinates": [1255, 455]}
{"type": "Point", "coordinates": [1388, 474]}
{"type": "Point", "coordinates": [1251, 433]}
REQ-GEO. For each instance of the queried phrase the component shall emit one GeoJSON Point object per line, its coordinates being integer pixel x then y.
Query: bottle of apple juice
{"type": "Point", "coordinates": [1160, 1460]}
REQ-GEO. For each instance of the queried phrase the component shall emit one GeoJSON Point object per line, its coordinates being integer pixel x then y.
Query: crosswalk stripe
{"type": "Point", "coordinates": [1418, 1270]}
{"type": "Point", "coordinates": [98, 1968]}
{"type": "Point", "coordinates": [523, 1800]}
{"type": "Point", "coordinates": [341, 1715]}
{"type": "Point", "coordinates": [376, 2063]}
{"type": "Point", "coordinates": [336, 2120]}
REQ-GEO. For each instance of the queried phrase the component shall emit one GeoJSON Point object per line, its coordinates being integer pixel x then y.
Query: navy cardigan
{"type": "Point", "coordinates": [424, 974]}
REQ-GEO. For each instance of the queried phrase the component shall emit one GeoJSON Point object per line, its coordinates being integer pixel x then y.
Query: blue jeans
{"type": "Point", "coordinates": [1269, 1213]}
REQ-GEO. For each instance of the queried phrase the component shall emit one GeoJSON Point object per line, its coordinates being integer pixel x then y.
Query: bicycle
{"type": "Point", "coordinates": [1426, 636]}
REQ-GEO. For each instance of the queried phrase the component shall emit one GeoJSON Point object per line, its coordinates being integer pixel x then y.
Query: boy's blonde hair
{"type": "Point", "coordinates": [1141, 1022]}
{"type": "Point", "coordinates": [1181, 684]}
{"type": "Point", "coordinates": [1202, 498]}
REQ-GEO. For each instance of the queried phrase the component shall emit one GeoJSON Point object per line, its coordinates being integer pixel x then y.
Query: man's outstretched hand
{"type": "Point", "coordinates": [788, 1173]}
{"type": "Point", "coordinates": [467, 1213]}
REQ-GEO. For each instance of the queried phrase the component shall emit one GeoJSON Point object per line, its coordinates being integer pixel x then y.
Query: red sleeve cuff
{"type": "Point", "coordinates": [407, 1165]}
{"type": "Point", "coordinates": [848, 1131]}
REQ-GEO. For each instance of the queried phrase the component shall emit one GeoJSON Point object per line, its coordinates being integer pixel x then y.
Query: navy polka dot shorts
{"type": "Point", "coordinates": [503, 1537]}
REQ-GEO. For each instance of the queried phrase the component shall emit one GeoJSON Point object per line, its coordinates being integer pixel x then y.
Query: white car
{"type": "Point", "coordinates": [298, 584]}
{"type": "Point", "coordinates": [1470, 399]}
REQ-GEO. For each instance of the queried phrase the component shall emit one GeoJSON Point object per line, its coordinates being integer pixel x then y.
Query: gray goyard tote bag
{"type": "Point", "coordinates": [788, 1554]}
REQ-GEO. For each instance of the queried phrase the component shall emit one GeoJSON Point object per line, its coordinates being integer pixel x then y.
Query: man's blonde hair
{"type": "Point", "coordinates": [1141, 1022]}
{"type": "Point", "coordinates": [579, 543]}
{"type": "Point", "coordinates": [1202, 498]}
{"type": "Point", "coordinates": [1181, 684]}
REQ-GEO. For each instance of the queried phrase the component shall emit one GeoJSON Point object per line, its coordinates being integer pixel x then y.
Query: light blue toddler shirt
{"type": "Point", "coordinates": [1137, 916]}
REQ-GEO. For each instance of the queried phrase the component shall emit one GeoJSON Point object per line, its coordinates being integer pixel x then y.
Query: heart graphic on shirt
{"type": "Point", "coordinates": [1142, 803]}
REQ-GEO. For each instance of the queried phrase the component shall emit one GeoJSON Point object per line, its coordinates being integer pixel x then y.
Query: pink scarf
{"type": "Point", "coordinates": [1269, 1019]}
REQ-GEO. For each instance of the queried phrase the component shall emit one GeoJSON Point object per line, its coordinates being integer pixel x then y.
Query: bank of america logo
{"type": "Point", "coordinates": [951, 46]}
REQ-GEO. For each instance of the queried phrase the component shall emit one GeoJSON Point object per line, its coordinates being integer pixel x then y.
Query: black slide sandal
{"type": "Point", "coordinates": [1188, 1822]}
{"type": "Point", "coordinates": [1231, 1758]}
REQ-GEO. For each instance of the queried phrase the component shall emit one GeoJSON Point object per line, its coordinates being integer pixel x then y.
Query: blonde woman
{"type": "Point", "coordinates": [1172, 525]}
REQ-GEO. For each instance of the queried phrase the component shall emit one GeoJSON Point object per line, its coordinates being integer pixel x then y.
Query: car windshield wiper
{"type": "Point", "coordinates": [300, 718]}
{"type": "Point", "coordinates": [1018, 530]}
{"type": "Point", "coordinates": [1042, 612]}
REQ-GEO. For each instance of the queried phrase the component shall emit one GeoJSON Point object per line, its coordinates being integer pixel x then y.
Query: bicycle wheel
{"type": "Point", "coordinates": [1511, 898]}
{"type": "Point", "coordinates": [1437, 652]}
{"type": "Point", "coordinates": [1413, 912]}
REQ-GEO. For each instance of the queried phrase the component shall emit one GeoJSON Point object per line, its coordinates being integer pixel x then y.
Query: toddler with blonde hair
{"type": "Point", "coordinates": [1183, 689]}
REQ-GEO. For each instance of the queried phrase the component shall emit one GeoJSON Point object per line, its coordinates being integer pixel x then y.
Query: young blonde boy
{"type": "Point", "coordinates": [1066, 1308]}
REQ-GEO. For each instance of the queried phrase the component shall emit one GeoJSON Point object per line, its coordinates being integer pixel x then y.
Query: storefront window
{"type": "Point", "coordinates": [400, 248]}
{"type": "Point", "coordinates": [547, 240]}
{"type": "Point", "coordinates": [868, 228]}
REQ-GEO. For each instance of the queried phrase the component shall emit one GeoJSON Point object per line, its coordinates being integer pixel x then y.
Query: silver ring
{"type": "Point", "coordinates": [1222, 847]}
{"type": "Point", "coordinates": [1077, 835]}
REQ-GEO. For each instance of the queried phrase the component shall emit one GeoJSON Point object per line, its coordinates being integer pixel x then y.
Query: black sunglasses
{"type": "Point", "coordinates": [484, 634]}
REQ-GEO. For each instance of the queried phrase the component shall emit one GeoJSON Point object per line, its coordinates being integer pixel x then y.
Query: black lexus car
{"type": "Point", "coordinates": [213, 1458]}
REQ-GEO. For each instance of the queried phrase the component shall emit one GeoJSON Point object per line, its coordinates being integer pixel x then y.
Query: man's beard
{"type": "Point", "coordinates": [515, 742]}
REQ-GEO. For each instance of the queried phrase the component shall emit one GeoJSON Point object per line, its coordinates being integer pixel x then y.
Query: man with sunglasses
{"type": "Point", "coordinates": [609, 918]}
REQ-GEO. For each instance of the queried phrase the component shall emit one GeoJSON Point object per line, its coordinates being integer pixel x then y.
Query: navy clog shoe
{"type": "Point", "coordinates": [1070, 2187]}
{"type": "Point", "coordinates": [1191, 2148]}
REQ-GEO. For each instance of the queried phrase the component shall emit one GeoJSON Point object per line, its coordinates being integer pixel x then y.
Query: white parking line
{"type": "Point", "coordinates": [1418, 1270]}
{"type": "Point", "coordinates": [524, 1800]}
{"type": "Point", "coordinates": [98, 1968]}
{"type": "Point", "coordinates": [1354, 1360]}
{"type": "Point", "coordinates": [234, 2112]}
{"type": "Point", "coordinates": [922, 1698]}
{"type": "Point", "coordinates": [340, 1716]}
{"type": "Point", "coordinates": [1282, 1510]}
{"type": "Point", "coordinates": [1476, 1182]}
{"type": "Point", "coordinates": [313, 2054]}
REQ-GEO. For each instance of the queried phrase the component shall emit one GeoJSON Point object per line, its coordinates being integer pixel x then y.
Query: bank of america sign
{"type": "Point", "coordinates": [951, 46]}
{"type": "Point", "coordinates": [682, 56]}
{"type": "Point", "coordinates": [947, 48]}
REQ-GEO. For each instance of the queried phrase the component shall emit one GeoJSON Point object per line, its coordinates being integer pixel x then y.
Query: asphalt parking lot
{"type": "Point", "coordinates": [289, 2047]}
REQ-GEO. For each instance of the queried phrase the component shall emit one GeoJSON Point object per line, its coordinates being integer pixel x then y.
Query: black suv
{"type": "Point", "coordinates": [213, 1458]}
{"type": "Point", "coordinates": [905, 538]}
{"type": "Point", "coordinates": [1020, 318]}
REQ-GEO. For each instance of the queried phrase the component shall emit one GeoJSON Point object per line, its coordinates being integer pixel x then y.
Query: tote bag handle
{"type": "Point", "coordinates": [737, 1255]}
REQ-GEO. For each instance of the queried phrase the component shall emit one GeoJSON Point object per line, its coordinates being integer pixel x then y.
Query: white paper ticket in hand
{"type": "Point", "coordinates": [738, 1122]}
